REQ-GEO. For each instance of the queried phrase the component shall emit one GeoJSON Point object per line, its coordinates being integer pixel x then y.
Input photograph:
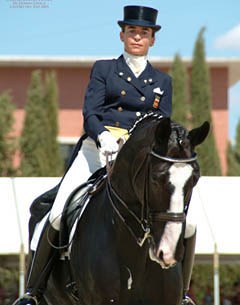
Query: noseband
{"type": "Point", "coordinates": [175, 160]}
{"type": "Point", "coordinates": [143, 224]}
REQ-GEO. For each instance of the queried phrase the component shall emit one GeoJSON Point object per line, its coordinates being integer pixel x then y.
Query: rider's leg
{"type": "Point", "coordinates": [188, 261]}
{"type": "Point", "coordinates": [41, 266]}
{"type": "Point", "coordinates": [43, 259]}
{"type": "Point", "coordinates": [88, 160]}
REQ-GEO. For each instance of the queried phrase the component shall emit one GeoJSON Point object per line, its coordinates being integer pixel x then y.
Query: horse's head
{"type": "Point", "coordinates": [173, 173]}
{"type": "Point", "coordinates": [161, 170]}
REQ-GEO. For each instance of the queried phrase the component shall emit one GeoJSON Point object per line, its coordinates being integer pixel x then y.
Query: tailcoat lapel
{"type": "Point", "coordinates": [146, 78]}
{"type": "Point", "coordinates": [126, 74]}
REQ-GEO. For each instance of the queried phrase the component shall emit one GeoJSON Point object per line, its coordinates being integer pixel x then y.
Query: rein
{"type": "Point", "coordinates": [147, 217]}
{"type": "Point", "coordinates": [142, 224]}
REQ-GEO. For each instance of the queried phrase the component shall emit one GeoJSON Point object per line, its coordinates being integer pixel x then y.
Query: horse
{"type": "Point", "coordinates": [128, 244]}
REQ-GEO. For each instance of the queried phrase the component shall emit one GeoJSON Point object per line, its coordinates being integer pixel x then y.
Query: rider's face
{"type": "Point", "coordinates": [137, 39]}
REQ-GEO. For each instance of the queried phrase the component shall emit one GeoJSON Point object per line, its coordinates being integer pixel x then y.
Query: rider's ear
{"type": "Point", "coordinates": [121, 35]}
{"type": "Point", "coordinates": [199, 134]}
{"type": "Point", "coordinates": [152, 42]}
{"type": "Point", "coordinates": [162, 135]}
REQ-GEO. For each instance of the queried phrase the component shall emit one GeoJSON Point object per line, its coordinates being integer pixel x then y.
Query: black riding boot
{"type": "Point", "coordinates": [42, 264]}
{"type": "Point", "coordinates": [187, 266]}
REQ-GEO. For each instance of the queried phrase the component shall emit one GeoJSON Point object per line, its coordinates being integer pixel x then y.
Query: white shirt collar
{"type": "Point", "coordinates": [136, 63]}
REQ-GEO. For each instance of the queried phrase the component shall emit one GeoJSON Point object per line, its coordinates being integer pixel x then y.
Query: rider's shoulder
{"type": "Point", "coordinates": [103, 63]}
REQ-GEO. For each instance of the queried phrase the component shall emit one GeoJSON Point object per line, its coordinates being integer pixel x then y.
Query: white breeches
{"type": "Point", "coordinates": [88, 160]}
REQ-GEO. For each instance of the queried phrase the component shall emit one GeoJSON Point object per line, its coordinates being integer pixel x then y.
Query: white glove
{"type": "Point", "coordinates": [108, 143]}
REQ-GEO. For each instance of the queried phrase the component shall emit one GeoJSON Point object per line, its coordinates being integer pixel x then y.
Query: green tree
{"type": "Point", "coordinates": [201, 108]}
{"type": "Point", "coordinates": [33, 140]}
{"type": "Point", "coordinates": [180, 103]}
{"type": "Point", "coordinates": [39, 147]}
{"type": "Point", "coordinates": [55, 161]}
{"type": "Point", "coordinates": [7, 142]}
{"type": "Point", "coordinates": [233, 155]}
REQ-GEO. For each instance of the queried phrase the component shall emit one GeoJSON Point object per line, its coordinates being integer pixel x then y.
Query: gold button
{"type": "Point", "coordinates": [142, 98]}
{"type": "Point", "coordinates": [150, 80]}
{"type": "Point", "coordinates": [138, 113]}
{"type": "Point", "coordinates": [129, 79]}
{"type": "Point", "coordinates": [117, 124]}
{"type": "Point", "coordinates": [121, 73]}
{"type": "Point", "coordinates": [145, 81]}
{"type": "Point", "coordinates": [123, 92]}
{"type": "Point", "coordinates": [120, 109]}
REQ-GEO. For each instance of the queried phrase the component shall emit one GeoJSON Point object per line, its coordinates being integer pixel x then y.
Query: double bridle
{"type": "Point", "coordinates": [143, 224]}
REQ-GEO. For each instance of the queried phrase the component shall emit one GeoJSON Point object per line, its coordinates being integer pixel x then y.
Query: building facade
{"type": "Point", "coordinates": [73, 76]}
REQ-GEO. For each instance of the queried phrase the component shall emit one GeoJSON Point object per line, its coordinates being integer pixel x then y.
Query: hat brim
{"type": "Point", "coordinates": [139, 23]}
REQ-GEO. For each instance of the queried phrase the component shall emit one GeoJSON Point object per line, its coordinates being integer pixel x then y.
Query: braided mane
{"type": "Point", "coordinates": [142, 119]}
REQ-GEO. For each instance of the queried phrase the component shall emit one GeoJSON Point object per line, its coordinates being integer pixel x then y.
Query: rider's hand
{"type": "Point", "coordinates": [108, 144]}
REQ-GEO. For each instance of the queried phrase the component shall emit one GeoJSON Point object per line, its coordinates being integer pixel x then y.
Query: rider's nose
{"type": "Point", "coordinates": [137, 37]}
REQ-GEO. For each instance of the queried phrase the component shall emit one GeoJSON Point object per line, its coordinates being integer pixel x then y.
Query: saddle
{"type": "Point", "coordinates": [73, 207]}
{"type": "Point", "coordinates": [76, 203]}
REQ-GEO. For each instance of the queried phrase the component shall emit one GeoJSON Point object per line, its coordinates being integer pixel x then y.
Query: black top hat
{"type": "Point", "coordinates": [141, 16]}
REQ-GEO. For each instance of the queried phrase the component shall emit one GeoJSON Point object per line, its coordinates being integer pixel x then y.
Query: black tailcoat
{"type": "Point", "coordinates": [115, 97]}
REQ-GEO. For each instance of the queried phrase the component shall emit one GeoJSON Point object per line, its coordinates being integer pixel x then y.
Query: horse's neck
{"type": "Point", "coordinates": [121, 183]}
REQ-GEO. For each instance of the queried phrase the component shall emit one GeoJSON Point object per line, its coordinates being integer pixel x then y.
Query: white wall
{"type": "Point", "coordinates": [215, 206]}
{"type": "Point", "coordinates": [26, 189]}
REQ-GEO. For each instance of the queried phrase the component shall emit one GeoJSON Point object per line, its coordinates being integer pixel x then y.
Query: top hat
{"type": "Point", "coordinates": [140, 16]}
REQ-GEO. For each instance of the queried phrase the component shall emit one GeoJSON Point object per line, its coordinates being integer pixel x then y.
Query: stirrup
{"type": "Point", "coordinates": [26, 299]}
{"type": "Point", "coordinates": [187, 301]}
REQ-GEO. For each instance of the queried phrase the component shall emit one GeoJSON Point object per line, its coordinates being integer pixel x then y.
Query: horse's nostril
{"type": "Point", "coordinates": [161, 255]}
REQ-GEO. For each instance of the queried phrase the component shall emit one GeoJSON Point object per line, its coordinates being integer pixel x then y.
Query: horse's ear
{"type": "Point", "coordinates": [162, 134]}
{"type": "Point", "coordinates": [199, 134]}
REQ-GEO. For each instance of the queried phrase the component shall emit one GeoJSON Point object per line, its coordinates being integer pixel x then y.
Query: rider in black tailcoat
{"type": "Point", "coordinates": [119, 91]}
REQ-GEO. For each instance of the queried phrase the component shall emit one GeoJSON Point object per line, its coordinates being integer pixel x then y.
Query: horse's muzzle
{"type": "Point", "coordinates": [159, 258]}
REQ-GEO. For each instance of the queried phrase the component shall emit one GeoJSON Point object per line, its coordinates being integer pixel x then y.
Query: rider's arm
{"type": "Point", "coordinates": [94, 101]}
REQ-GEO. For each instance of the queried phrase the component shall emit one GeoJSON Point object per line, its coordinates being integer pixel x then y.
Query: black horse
{"type": "Point", "coordinates": [128, 245]}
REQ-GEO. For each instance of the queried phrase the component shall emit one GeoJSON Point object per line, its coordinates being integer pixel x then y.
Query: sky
{"type": "Point", "coordinates": [89, 28]}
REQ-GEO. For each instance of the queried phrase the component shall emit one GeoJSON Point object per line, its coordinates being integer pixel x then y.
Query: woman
{"type": "Point", "coordinates": [119, 91]}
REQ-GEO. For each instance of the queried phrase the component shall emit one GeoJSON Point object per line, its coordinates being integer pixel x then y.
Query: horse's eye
{"type": "Point", "coordinates": [158, 177]}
